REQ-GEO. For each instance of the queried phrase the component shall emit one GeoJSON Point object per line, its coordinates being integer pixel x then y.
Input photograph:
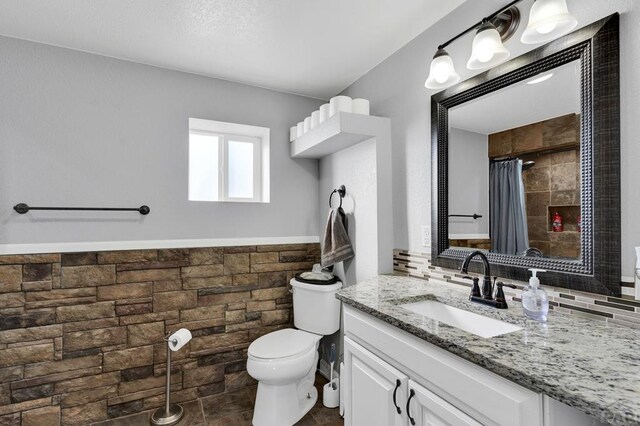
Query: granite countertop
{"type": "Point", "coordinates": [589, 365]}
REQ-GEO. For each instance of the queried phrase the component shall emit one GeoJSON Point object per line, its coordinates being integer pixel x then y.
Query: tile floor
{"type": "Point", "coordinates": [233, 408]}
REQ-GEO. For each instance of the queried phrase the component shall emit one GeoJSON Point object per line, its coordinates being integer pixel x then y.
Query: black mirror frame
{"type": "Point", "coordinates": [598, 270]}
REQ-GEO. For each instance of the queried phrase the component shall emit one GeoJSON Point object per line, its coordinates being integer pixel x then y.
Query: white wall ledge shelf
{"type": "Point", "coordinates": [337, 133]}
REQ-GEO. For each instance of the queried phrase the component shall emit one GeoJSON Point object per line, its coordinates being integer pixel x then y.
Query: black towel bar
{"type": "Point", "coordinates": [23, 208]}
{"type": "Point", "coordinates": [475, 215]}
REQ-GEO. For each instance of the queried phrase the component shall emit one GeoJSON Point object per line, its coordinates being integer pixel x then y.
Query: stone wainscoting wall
{"type": "Point", "coordinates": [614, 310]}
{"type": "Point", "coordinates": [81, 333]}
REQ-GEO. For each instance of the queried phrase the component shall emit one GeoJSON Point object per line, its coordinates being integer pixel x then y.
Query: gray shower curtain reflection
{"type": "Point", "coordinates": [508, 219]}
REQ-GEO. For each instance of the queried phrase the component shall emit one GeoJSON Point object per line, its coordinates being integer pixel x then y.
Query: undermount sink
{"type": "Point", "coordinates": [468, 321]}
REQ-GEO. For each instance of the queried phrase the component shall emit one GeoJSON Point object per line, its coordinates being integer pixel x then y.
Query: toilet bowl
{"type": "Point", "coordinates": [284, 362]}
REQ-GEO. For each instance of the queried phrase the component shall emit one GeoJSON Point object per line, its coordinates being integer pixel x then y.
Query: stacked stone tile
{"type": "Point", "coordinates": [81, 333]}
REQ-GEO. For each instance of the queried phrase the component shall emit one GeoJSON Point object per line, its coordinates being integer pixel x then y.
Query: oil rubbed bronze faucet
{"type": "Point", "coordinates": [486, 269]}
{"type": "Point", "coordinates": [486, 297]}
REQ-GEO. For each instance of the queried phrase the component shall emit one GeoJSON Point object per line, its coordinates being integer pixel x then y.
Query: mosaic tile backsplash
{"type": "Point", "coordinates": [615, 310]}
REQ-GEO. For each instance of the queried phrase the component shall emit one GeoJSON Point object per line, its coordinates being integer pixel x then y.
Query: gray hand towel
{"type": "Point", "coordinates": [336, 246]}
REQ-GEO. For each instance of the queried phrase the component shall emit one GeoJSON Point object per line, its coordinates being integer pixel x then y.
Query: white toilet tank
{"type": "Point", "coordinates": [315, 307]}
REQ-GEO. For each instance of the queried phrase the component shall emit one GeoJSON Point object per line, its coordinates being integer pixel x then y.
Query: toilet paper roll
{"type": "Point", "coordinates": [324, 113]}
{"type": "Point", "coordinates": [293, 133]}
{"type": "Point", "coordinates": [307, 124]}
{"type": "Point", "coordinates": [315, 118]}
{"type": "Point", "coordinates": [360, 106]}
{"type": "Point", "coordinates": [300, 129]}
{"type": "Point", "coordinates": [179, 339]}
{"type": "Point", "coordinates": [339, 104]}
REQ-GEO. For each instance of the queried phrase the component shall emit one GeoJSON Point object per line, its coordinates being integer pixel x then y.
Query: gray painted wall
{"type": "Point", "coordinates": [396, 90]}
{"type": "Point", "coordinates": [82, 129]}
{"type": "Point", "coordinates": [468, 181]}
{"type": "Point", "coordinates": [355, 168]}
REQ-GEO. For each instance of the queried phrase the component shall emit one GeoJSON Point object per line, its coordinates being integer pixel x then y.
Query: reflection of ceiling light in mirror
{"type": "Point", "coordinates": [540, 79]}
{"type": "Point", "coordinates": [487, 49]}
{"type": "Point", "coordinates": [548, 20]}
{"type": "Point", "coordinates": [442, 74]}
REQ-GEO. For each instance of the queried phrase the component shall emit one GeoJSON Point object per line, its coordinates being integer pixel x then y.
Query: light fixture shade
{"type": "Point", "coordinates": [442, 74]}
{"type": "Point", "coordinates": [548, 20]}
{"type": "Point", "coordinates": [487, 49]}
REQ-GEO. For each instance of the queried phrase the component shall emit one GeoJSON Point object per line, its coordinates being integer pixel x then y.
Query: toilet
{"type": "Point", "coordinates": [284, 361]}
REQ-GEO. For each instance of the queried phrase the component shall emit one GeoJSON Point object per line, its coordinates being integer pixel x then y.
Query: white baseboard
{"type": "Point", "coordinates": [37, 248]}
{"type": "Point", "coordinates": [325, 369]}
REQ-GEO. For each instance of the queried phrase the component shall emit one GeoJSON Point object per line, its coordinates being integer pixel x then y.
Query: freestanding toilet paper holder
{"type": "Point", "coordinates": [170, 414]}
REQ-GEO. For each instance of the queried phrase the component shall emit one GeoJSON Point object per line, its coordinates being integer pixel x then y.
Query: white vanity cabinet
{"type": "Point", "coordinates": [383, 395]}
{"type": "Point", "coordinates": [447, 389]}
{"type": "Point", "coordinates": [395, 378]}
{"type": "Point", "coordinates": [378, 388]}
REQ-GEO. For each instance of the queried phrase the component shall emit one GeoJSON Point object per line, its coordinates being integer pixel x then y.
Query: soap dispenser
{"type": "Point", "coordinates": [534, 298]}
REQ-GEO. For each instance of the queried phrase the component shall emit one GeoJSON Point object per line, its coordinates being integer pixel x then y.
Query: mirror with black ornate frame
{"type": "Point", "coordinates": [597, 270]}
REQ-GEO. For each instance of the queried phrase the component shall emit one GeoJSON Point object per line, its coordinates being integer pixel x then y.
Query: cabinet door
{"type": "Point", "coordinates": [559, 414]}
{"type": "Point", "coordinates": [428, 409]}
{"type": "Point", "coordinates": [371, 385]}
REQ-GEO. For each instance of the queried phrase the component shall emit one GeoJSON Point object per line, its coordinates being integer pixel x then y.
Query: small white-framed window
{"type": "Point", "coordinates": [228, 162]}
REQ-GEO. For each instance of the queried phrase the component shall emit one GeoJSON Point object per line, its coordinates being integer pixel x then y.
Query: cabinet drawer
{"type": "Point", "coordinates": [481, 394]}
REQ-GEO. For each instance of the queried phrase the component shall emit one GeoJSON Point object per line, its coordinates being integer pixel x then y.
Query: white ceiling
{"type": "Point", "coordinates": [314, 48]}
{"type": "Point", "coordinates": [521, 104]}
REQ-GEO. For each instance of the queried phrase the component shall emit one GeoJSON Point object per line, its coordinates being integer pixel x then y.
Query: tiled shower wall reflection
{"type": "Point", "coordinates": [552, 185]}
{"type": "Point", "coordinates": [615, 310]}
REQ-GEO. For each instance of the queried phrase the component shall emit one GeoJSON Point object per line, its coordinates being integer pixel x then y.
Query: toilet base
{"type": "Point", "coordinates": [283, 405]}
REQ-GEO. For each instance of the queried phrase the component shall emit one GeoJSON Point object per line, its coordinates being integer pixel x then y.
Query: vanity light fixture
{"type": "Point", "coordinates": [488, 49]}
{"type": "Point", "coordinates": [540, 79]}
{"type": "Point", "coordinates": [442, 73]}
{"type": "Point", "coordinates": [548, 19]}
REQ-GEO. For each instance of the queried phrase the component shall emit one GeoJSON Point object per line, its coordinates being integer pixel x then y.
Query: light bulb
{"type": "Point", "coordinates": [547, 28]}
{"type": "Point", "coordinates": [484, 53]}
{"type": "Point", "coordinates": [442, 74]}
{"type": "Point", "coordinates": [441, 77]}
{"type": "Point", "coordinates": [548, 20]}
{"type": "Point", "coordinates": [487, 49]}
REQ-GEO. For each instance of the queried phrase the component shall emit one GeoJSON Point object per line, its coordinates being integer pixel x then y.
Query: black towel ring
{"type": "Point", "coordinates": [342, 191]}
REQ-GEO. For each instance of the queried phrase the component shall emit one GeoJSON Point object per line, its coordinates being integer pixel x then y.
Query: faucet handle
{"type": "Point", "coordinates": [475, 290]}
{"type": "Point", "coordinates": [494, 287]}
{"type": "Point", "coordinates": [500, 297]}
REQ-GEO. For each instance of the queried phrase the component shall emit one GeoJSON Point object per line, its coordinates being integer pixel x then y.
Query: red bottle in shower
{"type": "Point", "coordinates": [556, 225]}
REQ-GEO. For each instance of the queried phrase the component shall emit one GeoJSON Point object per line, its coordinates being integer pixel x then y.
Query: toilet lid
{"type": "Point", "coordinates": [282, 344]}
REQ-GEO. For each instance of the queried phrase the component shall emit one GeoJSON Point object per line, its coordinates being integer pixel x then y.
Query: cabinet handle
{"type": "Point", "coordinates": [398, 383]}
{"type": "Point", "coordinates": [411, 395]}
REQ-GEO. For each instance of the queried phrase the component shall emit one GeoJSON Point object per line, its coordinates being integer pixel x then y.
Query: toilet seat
{"type": "Point", "coordinates": [284, 343]}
